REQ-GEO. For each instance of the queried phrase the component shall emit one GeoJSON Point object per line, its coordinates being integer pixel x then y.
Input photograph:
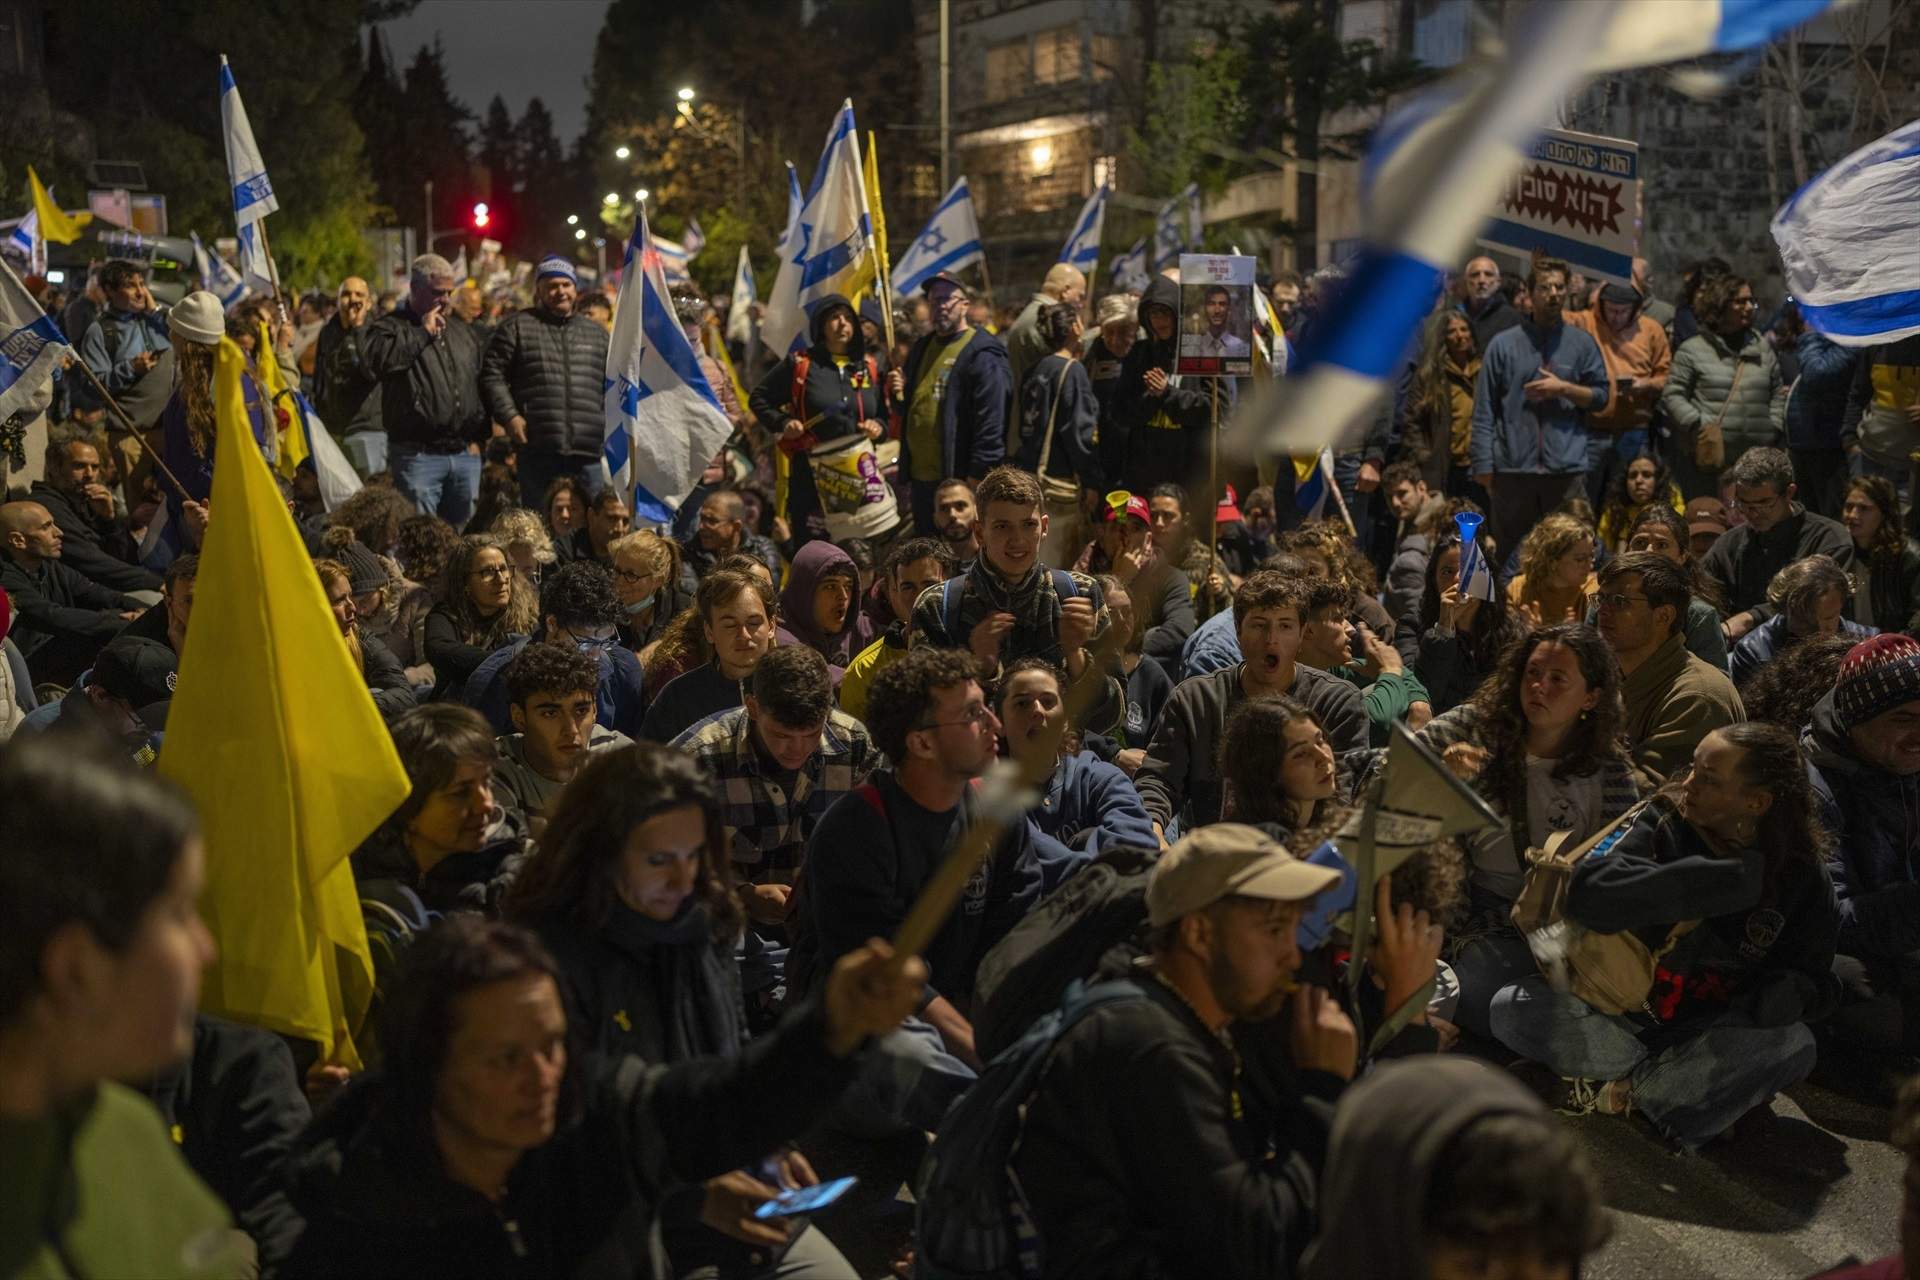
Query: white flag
{"type": "Point", "coordinates": [824, 250]}
{"type": "Point", "coordinates": [31, 346]}
{"type": "Point", "coordinates": [740, 312]}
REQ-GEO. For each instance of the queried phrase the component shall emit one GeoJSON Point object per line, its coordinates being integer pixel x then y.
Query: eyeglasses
{"type": "Point", "coordinates": [1757, 504]}
{"type": "Point", "coordinates": [595, 644]}
{"type": "Point", "coordinates": [493, 573]}
{"type": "Point", "coordinates": [632, 577]}
{"type": "Point", "coordinates": [978, 716]}
{"type": "Point", "coordinates": [1619, 600]}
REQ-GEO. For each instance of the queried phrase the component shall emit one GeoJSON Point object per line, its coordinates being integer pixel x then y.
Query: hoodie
{"type": "Point", "coordinates": [842, 395]}
{"type": "Point", "coordinates": [1874, 820]}
{"type": "Point", "coordinates": [1390, 1132]}
{"type": "Point", "coordinates": [1166, 434]}
{"type": "Point", "coordinates": [818, 561]}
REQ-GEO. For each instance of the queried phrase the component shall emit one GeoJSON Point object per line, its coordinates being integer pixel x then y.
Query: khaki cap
{"type": "Point", "coordinates": [1229, 859]}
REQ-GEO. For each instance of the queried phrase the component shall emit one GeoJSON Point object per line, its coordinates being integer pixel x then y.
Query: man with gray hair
{"type": "Point", "coordinates": [542, 375]}
{"type": "Point", "coordinates": [428, 362]}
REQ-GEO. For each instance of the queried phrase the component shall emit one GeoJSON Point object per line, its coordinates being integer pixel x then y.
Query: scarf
{"type": "Point", "coordinates": [687, 994]}
{"type": "Point", "coordinates": [1031, 600]}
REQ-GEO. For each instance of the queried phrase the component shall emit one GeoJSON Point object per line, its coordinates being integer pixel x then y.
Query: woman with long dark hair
{"type": "Point", "coordinates": [1276, 766]}
{"type": "Point", "coordinates": [1886, 562]}
{"type": "Point", "coordinates": [1438, 418]}
{"type": "Point", "coordinates": [1643, 483]}
{"type": "Point", "coordinates": [631, 891]}
{"type": "Point", "coordinates": [1721, 878]}
{"type": "Point", "coordinates": [1460, 637]}
{"type": "Point", "coordinates": [484, 604]}
{"type": "Point", "coordinates": [1542, 743]}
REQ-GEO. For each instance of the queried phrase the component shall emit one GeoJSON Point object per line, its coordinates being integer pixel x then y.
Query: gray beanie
{"type": "Point", "coordinates": [198, 317]}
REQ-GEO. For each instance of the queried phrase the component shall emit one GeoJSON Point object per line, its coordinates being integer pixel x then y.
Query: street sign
{"type": "Point", "coordinates": [1578, 198]}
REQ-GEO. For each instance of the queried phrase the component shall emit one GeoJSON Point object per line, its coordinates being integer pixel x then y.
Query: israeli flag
{"type": "Point", "coordinates": [795, 202]}
{"type": "Point", "coordinates": [827, 240]}
{"type": "Point", "coordinates": [664, 422]}
{"type": "Point", "coordinates": [1850, 240]}
{"type": "Point", "coordinates": [217, 276]}
{"type": "Point", "coordinates": [673, 262]}
{"type": "Point", "coordinates": [950, 241]}
{"type": "Point", "coordinates": [1177, 226]}
{"type": "Point", "coordinates": [31, 346]}
{"type": "Point", "coordinates": [1082, 249]}
{"type": "Point", "coordinates": [1646, 32]}
{"type": "Point", "coordinates": [1476, 575]}
{"type": "Point", "coordinates": [694, 239]}
{"type": "Point", "coordinates": [255, 271]}
{"type": "Point", "coordinates": [1129, 270]}
{"type": "Point", "coordinates": [25, 240]}
{"type": "Point", "coordinates": [740, 310]}
{"type": "Point", "coordinates": [337, 478]}
{"type": "Point", "coordinates": [246, 172]}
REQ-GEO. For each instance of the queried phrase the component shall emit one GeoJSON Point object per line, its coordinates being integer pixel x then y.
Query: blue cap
{"type": "Point", "coordinates": [555, 265]}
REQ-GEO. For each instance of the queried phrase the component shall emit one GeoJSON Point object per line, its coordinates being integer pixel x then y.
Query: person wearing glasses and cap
{"type": "Point", "coordinates": [954, 395]}
{"type": "Point", "coordinates": [1162, 594]}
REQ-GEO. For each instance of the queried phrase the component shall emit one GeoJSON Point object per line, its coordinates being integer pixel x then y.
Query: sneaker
{"type": "Point", "coordinates": [1602, 1097]}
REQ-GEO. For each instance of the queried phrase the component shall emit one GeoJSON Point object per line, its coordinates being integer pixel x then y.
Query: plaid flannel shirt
{"type": "Point", "coordinates": [761, 819]}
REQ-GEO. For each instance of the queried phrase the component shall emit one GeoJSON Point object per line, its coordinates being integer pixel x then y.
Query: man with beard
{"type": "Point", "coordinates": [956, 521]}
{"type": "Point", "coordinates": [954, 397]}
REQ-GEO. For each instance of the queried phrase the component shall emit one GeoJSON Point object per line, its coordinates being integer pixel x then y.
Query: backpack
{"type": "Point", "coordinates": [395, 916]}
{"type": "Point", "coordinates": [1025, 974]}
{"type": "Point", "coordinates": [1063, 586]}
{"type": "Point", "coordinates": [973, 1219]}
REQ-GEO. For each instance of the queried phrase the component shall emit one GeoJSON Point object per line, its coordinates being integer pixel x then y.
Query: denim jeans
{"type": "Point", "coordinates": [439, 484]}
{"type": "Point", "coordinates": [538, 470]}
{"type": "Point", "coordinates": [908, 1083]}
{"type": "Point", "coordinates": [1693, 1090]}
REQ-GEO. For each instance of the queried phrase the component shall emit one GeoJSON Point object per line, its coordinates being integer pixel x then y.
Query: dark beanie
{"type": "Point", "coordinates": [1620, 293]}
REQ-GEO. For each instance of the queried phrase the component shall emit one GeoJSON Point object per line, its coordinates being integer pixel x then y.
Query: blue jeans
{"type": "Point", "coordinates": [439, 484]}
{"type": "Point", "coordinates": [1693, 1090]}
{"type": "Point", "coordinates": [538, 470]}
{"type": "Point", "coordinates": [908, 1083]}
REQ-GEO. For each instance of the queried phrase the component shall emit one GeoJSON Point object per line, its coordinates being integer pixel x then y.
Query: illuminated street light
{"type": "Point", "coordinates": [640, 196]}
{"type": "Point", "coordinates": [580, 233]}
{"type": "Point", "coordinates": [611, 198]}
{"type": "Point", "coordinates": [573, 219]}
{"type": "Point", "coordinates": [621, 153]}
{"type": "Point", "coordinates": [685, 95]}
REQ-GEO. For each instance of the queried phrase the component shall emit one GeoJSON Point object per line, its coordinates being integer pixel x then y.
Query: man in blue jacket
{"type": "Point", "coordinates": [953, 399]}
{"type": "Point", "coordinates": [578, 608]}
{"type": "Point", "coordinates": [1538, 381]}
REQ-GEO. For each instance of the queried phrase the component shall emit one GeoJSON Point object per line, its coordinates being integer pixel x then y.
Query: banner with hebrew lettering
{"type": "Point", "coordinates": [1577, 198]}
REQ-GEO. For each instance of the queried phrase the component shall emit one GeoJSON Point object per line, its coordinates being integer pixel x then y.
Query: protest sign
{"type": "Point", "coordinates": [1577, 198]}
{"type": "Point", "coordinates": [1216, 316]}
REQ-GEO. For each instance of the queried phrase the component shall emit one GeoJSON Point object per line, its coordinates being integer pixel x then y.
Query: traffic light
{"type": "Point", "coordinates": [480, 215]}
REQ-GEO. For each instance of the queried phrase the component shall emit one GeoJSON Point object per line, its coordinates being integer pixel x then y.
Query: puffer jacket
{"type": "Point", "coordinates": [429, 387]}
{"type": "Point", "coordinates": [1702, 376]}
{"type": "Point", "coordinates": [1874, 819]}
{"type": "Point", "coordinates": [549, 370]}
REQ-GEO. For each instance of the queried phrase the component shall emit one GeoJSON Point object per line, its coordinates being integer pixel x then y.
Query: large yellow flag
{"type": "Point", "coordinates": [56, 226]}
{"type": "Point", "coordinates": [874, 271]}
{"type": "Point", "coordinates": [273, 733]}
{"type": "Point", "coordinates": [293, 436]}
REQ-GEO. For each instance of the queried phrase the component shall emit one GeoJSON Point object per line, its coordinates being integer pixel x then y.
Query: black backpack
{"type": "Point", "coordinates": [1099, 907]}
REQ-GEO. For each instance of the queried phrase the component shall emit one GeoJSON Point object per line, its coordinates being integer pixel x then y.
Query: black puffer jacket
{"type": "Point", "coordinates": [549, 370]}
{"type": "Point", "coordinates": [429, 387]}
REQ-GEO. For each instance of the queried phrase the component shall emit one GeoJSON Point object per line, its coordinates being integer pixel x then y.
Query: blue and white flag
{"type": "Point", "coordinates": [663, 421]}
{"type": "Point", "coordinates": [25, 240]}
{"type": "Point", "coordinates": [673, 262]}
{"type": "Point", "coordinates": [950, 241]}
{"type": "Point", "coordinates": [740, 309]}
{"type": "Point", "coordinates": [1082, 249]}
{"type": "Point", "coordinates": [1850, 240]}
{"type": "Point", "coordinates": [1177, 226]}
{"type": "Point", "coordinates": [1645, 32]}
{"type": "Point", "coordinates": [246, 172]}
{"type": "Point", "coordinates": [255, 271]}
{"type": "Point", "coordinates": [693, 239]}
{"type": "Point", "coordinates": [1476, 575]}
{"type": "Point", "coordinates": [831, 235]}
{"type": "Point", "coordinates": [795, 202]}
{"type": "Point", "coordinates": [217, 276]}
{"type": "Point", "coordinates": [1129, 270]}
{"type": "Point", "coordinates": [31, 346]}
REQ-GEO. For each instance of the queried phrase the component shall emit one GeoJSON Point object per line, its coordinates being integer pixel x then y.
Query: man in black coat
{"type": "Point", "coordinates": [345, 390]}
{"type": "Point", "coordinates": [1487, 310]}
{"type": "Point", "coordinates": [61, 619]}
{"type": "Point", "coordinates": [96, 542]}
{"type": "Point", "coordinates": [542, 376]}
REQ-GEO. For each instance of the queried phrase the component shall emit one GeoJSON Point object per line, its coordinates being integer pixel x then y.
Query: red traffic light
{"type": "Point", "coordinates": [480, 215]}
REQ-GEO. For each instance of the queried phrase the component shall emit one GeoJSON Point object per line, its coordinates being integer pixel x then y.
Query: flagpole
{"type": "Point", "coordinates": [128, 423]}
{"type": "Point", "coordinates": [1340, 499]}
{"type": "Point", "coordinates": [883, 283]}
{"type": "Point", "coordinates": [273, 272]}
{"type": "Point", "coordinates": [1213, 490]}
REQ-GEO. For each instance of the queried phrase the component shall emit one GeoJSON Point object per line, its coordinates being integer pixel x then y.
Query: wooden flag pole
{"type": "Point", "coordinates": [129, 424]}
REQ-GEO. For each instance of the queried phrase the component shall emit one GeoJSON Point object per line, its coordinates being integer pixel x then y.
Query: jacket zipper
{"type": "Point", "coordinates": [566, 381]}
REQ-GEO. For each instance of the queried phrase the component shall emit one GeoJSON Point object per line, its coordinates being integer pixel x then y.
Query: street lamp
{"type": "Point", "coordinates": [610, 199]}
{"type": "Point", "coordinates": [685, 94]}
{"type": "Point", "coordinates": [573, 219]}
{"type": "Point", "coordinates": [621, 152]}
{"type": "Point", "coordinates": [640, 196]}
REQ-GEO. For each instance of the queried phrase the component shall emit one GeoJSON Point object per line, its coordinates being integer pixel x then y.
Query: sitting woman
{"type": "Point", "coordinates": [1277, 767]}
{"type": "Point", "coordinates": [1886, 562]}
{"type": "Point", "coordinates": [1541, 742]}
{"type": "Point", "coordinates": [1460, 637]}
{"type": "Point", "coordinates": [1661, 531]}
{"type": "Point", "coordinates": [1721, 879]}
{"type": "Point", "coordinates": [630, 891]}
{"type": "Point", "coordinates": [485, 606]}
{"type": "Point", "coordinates": [1555, 582]}
{"type": "Point", "coordinates": [1809, 596]}
{"type": "Point", "coordinates": [528, 544]}
{"type": "Point", "coordinates": [386, 678]}
{"type": "Point", "coordinates": [647, 576]}
{"type": "Point", "coordinates": [1643, 484]}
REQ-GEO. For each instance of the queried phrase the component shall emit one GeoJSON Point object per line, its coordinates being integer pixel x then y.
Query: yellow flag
{"type": "Point", "coordinates": [55, 226]}
{"type": "Point", "coordinates": [274, 735]}
{"type": "Point", "coordinates": [874, 266]}
{"type": "Point", "coordinates": [273, 381]}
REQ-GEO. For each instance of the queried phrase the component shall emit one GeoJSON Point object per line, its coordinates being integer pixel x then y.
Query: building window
{"type": "Point", "coordinates": [1008, 66]}
{"type": "Point", "coordinates": [1106, 55]}
{"type": "Point", "coordinates": [1046, 58]}
{"type": "Point", "coordinates": [1056, 56]}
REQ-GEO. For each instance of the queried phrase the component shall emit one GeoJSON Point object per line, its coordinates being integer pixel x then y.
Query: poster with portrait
{"type": "Point", "coordinates": [1216, 316]}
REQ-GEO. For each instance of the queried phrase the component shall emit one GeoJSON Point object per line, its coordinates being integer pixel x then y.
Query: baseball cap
{"type": "Point", "coordinates": [1706, 515]}
{"type": "Point", "coordinates": [926, 286]}
{"type": "Point", "coordinates": [1228, 512]}
{"type": "Point", "coordinates": [1229, 859]}
{"type": "Point", "coordinates": [136, 670]}
{"type": "Point", "coordinates": [1122, 504]}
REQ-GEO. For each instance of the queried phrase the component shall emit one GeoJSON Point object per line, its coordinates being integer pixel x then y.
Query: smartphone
{"type": "Point", "coordinates": [805, 1199]}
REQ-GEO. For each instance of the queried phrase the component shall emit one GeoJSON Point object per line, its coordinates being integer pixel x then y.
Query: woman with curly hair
{"type": "Point", "coordinates": [1541, 742]}
{"type": "Point", "coordinates": [1886, 562]}
{"type": "Point", "coordinates": [524, 534]}
{"type": "Point", "coordinates": [375, 514]}
{"type": "Point", "coordinates": [1458, 638]}
{"type": "Point", "coordinates": [630, 888]}
{"type": "Point", "coordinates": [1725, 387]}
{"type": "Point", "coordinates": [424, 546]}
{"type": "Point", "coordinates": [1643, 483]}
{"type": "Point", "coordinates": [1555, 582]}
{"type": "Point", "coordinates": [1722, 878]}
{"type": "Point", "coordinates": [484, 606]}
{"type": "Point", "coordinates": [1785, 693]}
{"type": "Point", "coordinates": [647, 576]}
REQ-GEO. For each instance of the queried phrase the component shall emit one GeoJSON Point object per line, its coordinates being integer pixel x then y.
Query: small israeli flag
{"type": "Point", "coordinates": [950, 241]}
{"type": "Point", "coordinates": [1082, 249]}
{"type": "Point", "coordinates": [1476, 575]}
{"type": "Point", "coordinates": [1177, 226]}
{"type": "Point", "coordinates": [217, 276]}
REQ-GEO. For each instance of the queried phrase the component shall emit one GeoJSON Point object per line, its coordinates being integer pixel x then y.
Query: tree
{"type": "Point", "coordinates": [552, 184]}
{"type": "Point", "coordinates": [499, 155]}
{"type": "Point", "coordinates": [434, 125]}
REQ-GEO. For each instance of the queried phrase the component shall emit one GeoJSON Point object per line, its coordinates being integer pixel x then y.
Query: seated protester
{"type": "Point", "coordinates": [1660, 531]}
{"type": "Point", "coordinates": [60, 619]}
{"type": "Point", "coordinates": [551, 697]}
{"type": "Point", "coordinates": [95, 541]}
{"type": "Point", "coordinates": [1447, 1168]}
{"type": "Point", "coordinates": [565, 510]}
{"type": "Point", "coordinates": [1808, 598]}
{"type": "Point", "coordinates": [447, 847]}
{"type": "Point", "coordinates": [1706, 520]}
{"type": "Point", "coordinates": [1277, 767]}
{"type": "Point", "coordinates": [629, 891]}
{"type": "Point", "coordinates": [1146, 684]}
{"type": "Point", "coordinates": [1672, 699]}
{"type": "Point", "coordinates": [235, 1107]}
{"type": "Point", "coordinates": [166, 622]}
{"type": "Point", "coordinates": [873, 852]}
{"type": "Point", "coordinates": [484, 607]}
{"type": "Point", "coordinates": [580, 609]}
{"type": "Point", "coordinates": [1785, 693]}
{"type": "Point", "coordinates": [1729, 859]}
{"type": "Point", "coordinates": [736, 615]}
{"type": "Point", "coordinates": [722, 531]}
{"type": "Point", "coordinates": [1417, 513]}
{"type": "Point", "coordinates": [1327, 549]}
{"type": "Point", "coordinates": [682, 645]}
{"type": "Point", "coordinates": [781, 760]}
{"type": "Point", "coordinates": [1123, 547]}
{"type": "Point", "coordinates": [1863, 758]}
{"type": "Point", "coordinates": [99, 977]}
{"type": "Point", "coordinates": [1062, 420]}
{"type": "Point", "coordinates": [1643, 483]}
{"type": "Point", "coordinates": [1778, 531]}
{"type": "Point", "coordinates": [1388, 692]}
{"type": "Point", "coordinates": [1178, 776]}
{"type": "Point", "coordinates": [1541, 738]}
{"type": "Point", "coordinates": [817, 604]}
{"type": "Point", "coordinates": [123, 701]}
{"type": "Point", "coordinates": [386, 678]}
{"type": "Point", "coordinates": [1139, 1154]}
{"type": "Point", "coordinates": [1461, 637]}
{"type": "Point", "coordinates": [1886, 561]}
{"type": "Point", "coordinates": [570, 1176]}
{"type": "Point", "coordinates": [1555, 582]}
{"type": "Point", "coordinates": [1087, 805]}
{"type": "Point", "coordinates": [956, 520]}
{"type": "Point", "coordinates": [1183, 546]}
{"type": "Point", "coordinates": [652, 585]}
{"type": "Point", "coordinates": [912, 567]}
{"type": "Point", "coordinates": [1008, 605]}
{"type": "Point", "coordinates": [1214, 644]}
{"type": "Point", "coordinates": [520, 530]}
{"type": "Point", "coordinates": [609, 518]}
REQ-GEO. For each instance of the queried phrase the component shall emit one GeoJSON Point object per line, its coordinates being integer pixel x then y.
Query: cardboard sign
{"type": "Point", "coordinates": [1216, 316]}
{"type": "Point", "coordinates": [1577, 198]}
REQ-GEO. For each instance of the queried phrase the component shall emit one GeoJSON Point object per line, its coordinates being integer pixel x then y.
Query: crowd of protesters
{"type": "Point", "coordinates": [671, 784]}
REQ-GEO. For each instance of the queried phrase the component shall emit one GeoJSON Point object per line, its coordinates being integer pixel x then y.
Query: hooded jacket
{"type": "Point", "coordinates": [1886, 380]}
{"type": "Point", "coordinates": [1874, 819]}
{"type": "Point", "coordinates": [842, 394]}
{"type": "Point", "coordinates": [974, 411]}
{"type": "Point", "coordinates": [1166, 434]}
{"type": "Point", "coordinates": [549, 370]}
{"type": "Point", "coordinates": [429, 387]}
{"type": "Point", "coordinates": [1641, 352]}
{"type": "Point", "coordinates": [100, 550]}
{"type": "Point", "coordinates": [818, 561]}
